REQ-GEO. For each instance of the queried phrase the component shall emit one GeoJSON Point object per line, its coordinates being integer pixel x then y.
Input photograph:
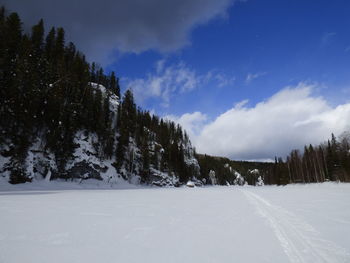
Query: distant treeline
{"type": "Point", "coordinates": [225, 169]}
{"type": "Point", "coordinates": [328, 161]}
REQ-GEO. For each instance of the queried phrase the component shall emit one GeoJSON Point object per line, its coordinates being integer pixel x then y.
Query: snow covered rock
{"type": "Point", "coordinates": [85, 163]}
{"type": "Point", "coordinates": [196, 181]}
{"type": "Point", "coordinates": [259, 182]}
{"type": "Point", "coordinates": [239, 179]}
{"type": "Point", "coordinates": [212, 177]}
{"type": "Point", "coordinates": [163, 179]}
{"type": "Point", "coordinates": [190, 184]}
{"type": "Point", "coordinates": [113, 99]}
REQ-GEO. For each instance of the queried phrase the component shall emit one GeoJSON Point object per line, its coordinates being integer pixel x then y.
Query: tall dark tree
{"type": "Point", "coordinates": [114, 84]}
{"type": "Point", "coordinates": [37, 39]}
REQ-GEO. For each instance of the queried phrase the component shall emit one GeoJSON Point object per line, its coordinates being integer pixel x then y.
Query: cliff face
{"type": "Point", "coordinates": [86, 163]}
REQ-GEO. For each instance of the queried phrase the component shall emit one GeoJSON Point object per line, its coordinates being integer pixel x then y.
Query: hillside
{"type": "Point", "coordinates": [224, 171]}
{"type": "Point", "coordinates": [64, 118]}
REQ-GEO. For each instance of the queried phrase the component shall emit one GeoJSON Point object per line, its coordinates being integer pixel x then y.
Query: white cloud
{"type": "Point", "coordinates": [172, 80]}
{"type": "Point", "coordinates": [192, 122]}
{"type": "Point", "coordinates": [289, 119]}
{"type": "Point", "coordinates": [165, 82]}
{"type": "Point", "coordinates": [223, 80]}
{"type": "Point", "coordinates": [250, 77]}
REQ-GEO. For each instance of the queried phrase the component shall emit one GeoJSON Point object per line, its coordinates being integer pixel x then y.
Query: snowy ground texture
{"type": "Point", "coordinates": [296, 223]}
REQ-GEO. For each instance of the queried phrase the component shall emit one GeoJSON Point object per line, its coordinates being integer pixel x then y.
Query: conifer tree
{"type": "Point", "coordinates": [50, 43]}
{"type": "Point", "coordinates": [59, 44]}
{"type": "Point", "coordinates": [114, 84]}
{"type": "Point", "coordinates": [37, 39]}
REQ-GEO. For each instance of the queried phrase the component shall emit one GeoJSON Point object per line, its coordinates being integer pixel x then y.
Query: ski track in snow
{"type": "Point", "coordinates": [300, 241]}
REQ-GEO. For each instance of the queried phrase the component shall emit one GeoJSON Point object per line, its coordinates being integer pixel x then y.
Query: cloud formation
{"type": "Point", "coordinates": [288, 120]}
{"type": "Point", "coordinates": [250, 77]}
{"type": "Point", "coordinates": [98, 27]}
{"type": "Point", "coordinates": [170, 80]}
{"type": "Point", "coordinates": [192, 122]}
{"type": "Point", "coordinates": [163, 83]}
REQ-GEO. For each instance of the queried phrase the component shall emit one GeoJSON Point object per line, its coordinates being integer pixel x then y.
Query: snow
{"type": "Point", "coordinates": [212, 177]}
{"type": "Point", "coordinates": [61, 184]}
{"type": "Point", "coordinates": [254, 171]}
{"type": "Point", "coordinates": [239, 179]}
{"type": "Point", "coordinates": [260, 181]}
{"type": "Point", "coordinates": [190, 161]}
{"type": "Point", "coordinates": [163, 179]}
{"type": "Point", "coordinates": [296, 223]}
{"type": "Point", "coordinates": [3, 162]}
{"type": "Point", "coordinates": [113, 99]}
{"type": "Point", "coordinates": [84, 150]}
{"type": "Point", "coordinates": [190, 184]}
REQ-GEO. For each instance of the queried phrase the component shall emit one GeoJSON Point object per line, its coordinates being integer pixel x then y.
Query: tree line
{"type": "Point", "coordinates": [226, 170]}
{"type": "Point", "coordinates": [48, 91]}
{"type": "Point", "coordinates": [329, 161]}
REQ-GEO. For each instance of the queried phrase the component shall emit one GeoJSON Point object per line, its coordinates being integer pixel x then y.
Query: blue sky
{"type": "Point", "coordinates": [247, 79]}
{"type": "Point", "coordinates": [281, 43]}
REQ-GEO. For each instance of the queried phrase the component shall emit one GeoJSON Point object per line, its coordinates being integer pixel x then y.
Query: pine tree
{"type": "Point", "coordinates": [37, 39]}
{"type": "Point", "coordinates": [114, 84]}
{"type": "Point", "coordinates": [59, 44]}
{"type": "Point", "coordinates": [12, 44]}
{"type": "Point", "coordinates": [50, 43]}
{"type": "Point", "coordinates": [38, 66]}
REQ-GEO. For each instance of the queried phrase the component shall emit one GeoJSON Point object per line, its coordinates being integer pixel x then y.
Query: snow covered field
{"type": "Point", "coordinates": [297, 223]}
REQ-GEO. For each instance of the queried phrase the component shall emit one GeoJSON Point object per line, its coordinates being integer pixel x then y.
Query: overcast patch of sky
{"type": "Point", "coordinates": [101, 27]}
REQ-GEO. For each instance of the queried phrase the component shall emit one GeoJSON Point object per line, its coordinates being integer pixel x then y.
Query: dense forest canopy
{"type": "Point", "coordinates": [49, 91]}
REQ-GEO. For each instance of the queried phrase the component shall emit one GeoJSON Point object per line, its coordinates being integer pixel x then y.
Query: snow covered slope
{"type": "Point", "coordinates": [84, 163]}
{"type": "Point", "coordinates": [113, 99]}
{"type": "Point", "coordinates": [296, 223]}
{"type": "Point", "coordinates": [137, 157]}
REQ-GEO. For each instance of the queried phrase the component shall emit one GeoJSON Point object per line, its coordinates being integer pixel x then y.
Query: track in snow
{"type": "Point", "coordinates": [300, 241]}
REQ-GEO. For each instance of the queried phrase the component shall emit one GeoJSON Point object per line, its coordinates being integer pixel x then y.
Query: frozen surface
{"type": "Point", "coordinates": [304, 223]}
